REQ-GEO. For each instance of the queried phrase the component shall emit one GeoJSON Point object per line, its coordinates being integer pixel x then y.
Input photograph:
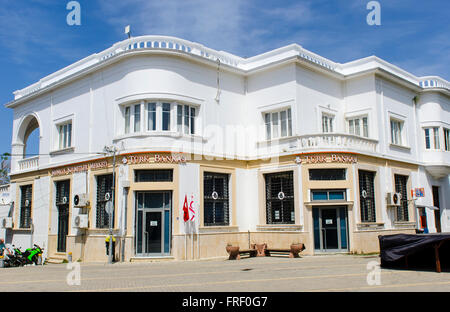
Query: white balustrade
{"type": "Point", "coordinates": [434, 82]}
{"type": "Point", "coordinates": [336, 140]}
{"type": "Point", "coordinates": [28, 163]}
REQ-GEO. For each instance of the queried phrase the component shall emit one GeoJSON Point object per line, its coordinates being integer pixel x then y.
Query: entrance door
{"type": "Point", "coordinates": [63, 227]}
{"type": "Point", "coordinates": [62, 205]}
{"type": "Point", "coordinates": [330, 229]}
{"type": "Point", "coordinates": [437, 213]}
{"type": "Point", "coordinates": [153, 223]}
{"type": "Point", "coordinates": [153, 232]}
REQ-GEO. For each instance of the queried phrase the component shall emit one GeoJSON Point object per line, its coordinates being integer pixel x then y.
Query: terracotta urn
{"type": "Point", "coordinates": [296, 248]}
{"type": "Point", "coordinates": [234, 252]}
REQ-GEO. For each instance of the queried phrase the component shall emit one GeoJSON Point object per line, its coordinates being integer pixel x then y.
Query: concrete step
{"type": "Point", "coordinates": [151, 259]}
{"type": "Point", "coordinates": [56, 259]}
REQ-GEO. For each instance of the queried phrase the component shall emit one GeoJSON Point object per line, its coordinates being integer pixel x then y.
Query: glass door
{"type": "Point", "coordinates": [330, 229]}
{"type": "Point", "coordinates": [153, 236]}
{"type": "Point", "coordinates": [153, 223]}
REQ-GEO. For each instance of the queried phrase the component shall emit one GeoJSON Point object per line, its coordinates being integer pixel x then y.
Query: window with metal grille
{"type": "Point", "coordinates": [326, 174]}
{"type": "Point", "coordinates": [104, 185]}
{"type": "Point", "coordinates": [367, 195]}
{"type": "Point", "coordinates": [280, 198]}
{"type": "Point", "coordinates": [153, 175]}
{"type": "Point", "coordinates": [215, 198]}
{"type": "Point", "coordinates": [26, 195]}
{"type": "Point", "coordinates": [400, 187]}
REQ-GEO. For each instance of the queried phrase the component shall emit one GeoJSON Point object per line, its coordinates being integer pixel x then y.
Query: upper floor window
{"type": "Point", "coordinates": [159, 116]}
{"type": "Point", "coordinates": [151, 116]}
{"type": "Point", "coordinates": [185, 119]}
{"type": "Point", "coordinates": [447, 139]}
{"type": "Point", "coordinates": [327, 123]}
{"type": "Point", "coordinates": [397, 132]}
{"type": "Point", "coordinates": [278, 124]}
{"type": "Point", "coordinates": [358, 126]}
{"type": "Point", "coordinates": [65, 135]}
{"type": "Point", "coordinates": [165, 116]}
{"type": "Point", "coordinates": [432, 138]}
{"type": "Point", "coordinates": [133, 118]}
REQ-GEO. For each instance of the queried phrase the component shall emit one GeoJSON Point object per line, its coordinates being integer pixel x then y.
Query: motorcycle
{"type": "Point", "coordinates": [29, 256]}
{"type": "Point", "coordinates": [32, 255]}
{"type": "Point", "coordinates": [14, 258]}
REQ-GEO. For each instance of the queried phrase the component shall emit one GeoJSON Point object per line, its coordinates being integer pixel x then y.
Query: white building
{"type": "Point", "coordinates": [281, 147]}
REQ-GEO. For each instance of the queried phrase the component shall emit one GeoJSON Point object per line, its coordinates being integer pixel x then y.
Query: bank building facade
{"type": "Point", "coordinates": [197, 148]}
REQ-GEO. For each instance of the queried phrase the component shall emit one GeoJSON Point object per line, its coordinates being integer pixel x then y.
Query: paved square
{"type": "Point", "coordinates": [265, 274]}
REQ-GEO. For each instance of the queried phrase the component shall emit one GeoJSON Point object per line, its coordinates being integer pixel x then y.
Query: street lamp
{"type": "Point", "coordinates": [111, 149]}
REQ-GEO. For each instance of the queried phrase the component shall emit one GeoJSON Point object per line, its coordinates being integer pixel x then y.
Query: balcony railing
{"type": "Point", "coordinates": [28, 163]}
{"type": "Point", "coordinates": [318, 142]}
{"type": "Point", "coordinates": [434, 82]}
{"type": "Point", "coordinates": [337, 140]}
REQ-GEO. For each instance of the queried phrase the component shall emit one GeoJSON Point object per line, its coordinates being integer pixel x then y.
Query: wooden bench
{"type": "Point", "coordinates": [293, 251]}
{"type": "Point", "coordinates": [261, 250]}
{"type": "Point", "coordinates": [235, 253]}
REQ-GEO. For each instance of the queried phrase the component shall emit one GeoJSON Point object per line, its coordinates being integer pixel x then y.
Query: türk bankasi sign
{"type": "Point", "coordinates": [333, 158]}
{"type": "Point", "coordinates": [157, 158]}
{"type": "Point", "coordinates": [79, 168]}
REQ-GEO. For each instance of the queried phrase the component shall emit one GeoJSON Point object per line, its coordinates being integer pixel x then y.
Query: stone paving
{"type": "Point", "coordinates": [344, 273]}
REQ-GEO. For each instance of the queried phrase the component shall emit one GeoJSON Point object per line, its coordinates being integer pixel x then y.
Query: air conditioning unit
{"type": "Point", "coordinates": [81, 200]}
{"type": "Point", "coordinates": [394, 199]}
{"type": "Point", "coordinates": [7, 223]}
{"type": "Point", "coordinates": [81, 221]}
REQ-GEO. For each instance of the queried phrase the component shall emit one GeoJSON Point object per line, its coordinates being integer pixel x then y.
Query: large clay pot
{"type": "Point", "coordinates": [260, 249]}
{"type": "Point", "coordinates": [296, 248]}
{"type": "Point", "coordinates": [234, 252]}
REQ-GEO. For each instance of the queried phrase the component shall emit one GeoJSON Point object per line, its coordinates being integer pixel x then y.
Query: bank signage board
{"type": "Point", "coordinates": [157, 158]}
{"type": "Point", "coordinates": [79, 168]}
{"type": "Point", "coordinates": [126, 160]}
{"type": "Point", "coordinates": [332, 158]}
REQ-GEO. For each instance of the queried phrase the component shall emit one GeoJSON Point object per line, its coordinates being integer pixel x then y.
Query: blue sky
{"type": "Point", "coordinates": [35, 39]}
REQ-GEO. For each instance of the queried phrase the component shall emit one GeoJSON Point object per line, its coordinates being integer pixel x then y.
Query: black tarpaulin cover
{"type": "Point", "coordinates": [397, 246]}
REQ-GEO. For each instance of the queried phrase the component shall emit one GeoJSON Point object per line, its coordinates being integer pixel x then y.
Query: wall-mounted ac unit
{"type": "Point", "coordinates": [394, 199]}
{"type": "Point", "coordinates": [81, 200]}
{"type": "Point", "coordinates": [7, 223]}
{"type": "Point", "coordinates": [81, 221]}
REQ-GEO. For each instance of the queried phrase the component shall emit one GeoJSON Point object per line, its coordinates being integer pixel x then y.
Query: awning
{"type": "Point", "coordinates": [429, 207]}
